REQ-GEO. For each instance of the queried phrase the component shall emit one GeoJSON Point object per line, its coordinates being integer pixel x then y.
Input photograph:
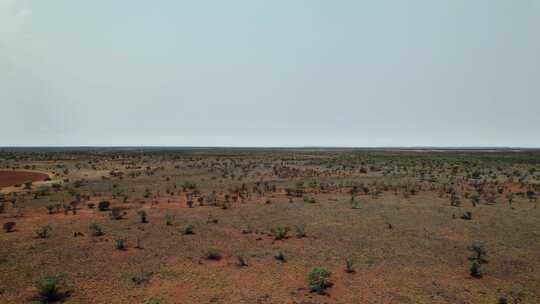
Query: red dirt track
{"type": "Point", "coordinates": [11, 178]}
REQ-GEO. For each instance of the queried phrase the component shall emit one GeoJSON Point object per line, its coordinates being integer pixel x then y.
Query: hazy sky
{"type": "Point", "coordinates": [270, 73]}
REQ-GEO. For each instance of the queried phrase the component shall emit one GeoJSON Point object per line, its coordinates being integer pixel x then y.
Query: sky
{"type": "Point", "coordinates": [455, 73]}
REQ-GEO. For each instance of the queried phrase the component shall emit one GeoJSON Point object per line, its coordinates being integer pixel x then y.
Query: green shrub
{"type": "Point", "coordinates": [300, 231]}
{"type": "Point", "coordinates": [280, 233]}
{"type": "Point", "coordinates": [475, 270]}
{"type": "Point", "coordinates": [213, 254]}
{"type": "Point", "coordinates": [280, 256]}
{"type": "Point", "coordinates": [43, 232]}
{"type": "Point", "coordinates": [349, 266]}
{"type": "Point", "coordinates": [188, 230]}
{"type": "Point", "coordinates": [319, 280]}
{"type": "Point", "coordinates": [143, 216]}
{"type": "Point", "coordinates": [96, 229]}
{"type": "Point", "coordinates": [117, 213]}
{"type": "Point", "coordinates": [169, 219]}
{"type": "Point", "coordinates": [49, 287]}
{"type": "Point", "coordinates": [43, 190]}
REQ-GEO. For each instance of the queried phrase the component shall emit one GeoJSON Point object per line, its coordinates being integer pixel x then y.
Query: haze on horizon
{"type": "Point", "coordinates": [270, 73]}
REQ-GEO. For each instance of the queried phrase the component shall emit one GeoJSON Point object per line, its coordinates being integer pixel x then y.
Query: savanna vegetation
{"type": "Point", "coordinates": [166, 225]}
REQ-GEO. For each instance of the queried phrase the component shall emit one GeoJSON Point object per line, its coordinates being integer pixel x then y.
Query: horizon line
{"type": "Point", "coordinates": [275, 147]}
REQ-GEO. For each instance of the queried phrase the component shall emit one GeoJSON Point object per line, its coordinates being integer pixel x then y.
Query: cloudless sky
{"type": "Point", "coordinates": [270, 73]}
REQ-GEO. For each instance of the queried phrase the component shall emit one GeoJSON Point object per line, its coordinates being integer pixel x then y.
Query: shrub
{"type": "Point", "coordinates": [280, 233]}
{"type": "Point", "coordinates": [213, 254]}
{"type": "Point", "coordinates": [211, 220]}
{"type": "Point", "coordinates": [188, 230]}
{"type": "Point", "coordinates": [349, 266]}
{"type": "Point", "coordinates": [454, 200]}
{"type": "Point", "coordinates": [280, 257]}
{"type": "Point", "coordinates": [91, 205]}
{"type": "Point", "coordinates": [49, 287]}
{"type": "Point", "coordinates": [300, 231]}
{"type": "Point", "coordinates": [247, 230]}
{"type": "Point", "coordinates": [467, 216]}
{"type": "Point", "coordinates": [169, 219]}
{"type": "Point", "coordinates": [120, 242]}
{"type": "Point", "coordinates": [51, 208]}
{"type": "Point", "coordinates": [96, 229]}
{"type": "Point", "coordinates": [147, 193]}
{"type": "Point", "coordinates": [319, 280]}
{"type": "Point", "coordinates": [475, 199]}
{"type": "Point", "coordinates": [2, 207]}
{"type": "Point", "coordinates": [117, 213]}
{"type": "Point", "coordinates": [475, 270]}
{"type": "Point", "coordinates": [104, 205]}
{"type": "Point", "coordinates": [153, 301]}
{"type": "Point", "coordinates": [142, 214]}
{"type": "Point", "coordinates": [479, 253]}
{"type": "Point", "coordinates": [141, 279]}
{"type": "Point", "coordinates": [8, 227]}
{"type": "Point", "coordinates": [27, 185]}
{"type": "Point", "coordinates": [189, 203]}
{"type": "Point", "coordinates": [43, 232]}
{"type": "Point", "coordinates": [241, 261]}
{"type": "Point", "coordinates": [310, 200]}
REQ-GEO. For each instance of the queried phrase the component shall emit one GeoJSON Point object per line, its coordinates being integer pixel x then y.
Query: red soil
{"type": "Point", "coordinates": [11, 178]}
{"type": "Point", "coordinates": [515, 187]}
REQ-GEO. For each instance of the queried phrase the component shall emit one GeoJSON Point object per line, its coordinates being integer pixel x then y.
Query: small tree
{"type": "Point", "coordinates": [49, 287]}
{"type": "Point", "coordinates": [319, 280]}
